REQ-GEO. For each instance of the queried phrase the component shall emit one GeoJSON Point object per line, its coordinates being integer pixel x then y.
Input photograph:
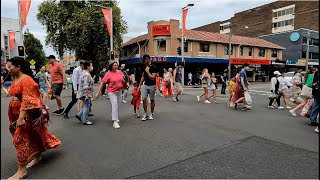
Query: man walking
{"type": "Point", "coordinates": [126, 81]}
{"type": "Point", "coordinates": [177, 81]}
{"type": "Point", "coordinates": [149, 88]}
{"type": "Point", "coordinates": [243, 87]}
{"type": "Point", "coordinates": [316, 98]}
{"type": "Point", "coordinates": [75, 85]}
{"type": "Point", "coordinates": [58, 82]}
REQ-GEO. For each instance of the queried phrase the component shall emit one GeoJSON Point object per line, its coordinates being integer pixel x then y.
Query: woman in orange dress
{"type": "Point", "coordinates": [158, 83]}
{"type": "Point", "coordinates": [29, 139]}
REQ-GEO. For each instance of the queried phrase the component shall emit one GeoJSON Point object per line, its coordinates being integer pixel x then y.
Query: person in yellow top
{"type": "Point", "coordinates": [231, 88]}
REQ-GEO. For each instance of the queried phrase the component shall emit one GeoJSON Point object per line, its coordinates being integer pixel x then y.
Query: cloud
{"type": "Point", "coordinates": [138, 13]}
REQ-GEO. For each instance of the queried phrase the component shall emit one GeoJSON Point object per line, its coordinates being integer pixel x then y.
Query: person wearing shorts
{"type": "Point", "coordinates": [149, 88]}
{"type": "Point", "coordinates": [177, 81]}
{"type": "Point", "coordinates": [58, 81]}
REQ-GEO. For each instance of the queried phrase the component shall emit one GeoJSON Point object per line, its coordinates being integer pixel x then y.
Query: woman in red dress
{"type": "Point", "coordinates": [29, 139]}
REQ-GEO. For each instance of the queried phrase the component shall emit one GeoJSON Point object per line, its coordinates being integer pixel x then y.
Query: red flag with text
{"type": "Point", "coordinates": [184, 30]}
{"type": "Point", "coordinates": [24, 9]}
{"type": "Point", "coordinates": [107, 17]}
{"type": "Point", "coordinates": [11, 39]}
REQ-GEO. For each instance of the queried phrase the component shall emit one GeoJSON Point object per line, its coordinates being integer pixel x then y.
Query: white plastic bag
{"type": "Point", "coordinates": [247, 97]}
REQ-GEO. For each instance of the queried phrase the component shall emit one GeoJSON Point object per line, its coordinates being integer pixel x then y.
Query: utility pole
{"type": "Point", "coordinates": [229, 52]}
{"type": "Point", "coordinates": [307, 53]}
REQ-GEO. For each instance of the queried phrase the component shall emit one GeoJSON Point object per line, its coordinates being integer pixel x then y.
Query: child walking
{"type": "Point", "coordinates": [136, 98]}
{"type": "Point", "coordinates": [231, 88]}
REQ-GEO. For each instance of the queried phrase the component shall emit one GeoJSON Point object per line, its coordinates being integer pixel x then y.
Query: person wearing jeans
{"type": "Point", "coordinates": [115, 81]}
{"type": "Point", "coordinates": [85, 93]}
{"type": "Point", "coordinates": [316, 101]}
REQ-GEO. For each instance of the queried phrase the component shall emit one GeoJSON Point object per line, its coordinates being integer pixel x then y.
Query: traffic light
{"type": "Point", "coordinates": [21, 50]}
{"type": "Point", "coordinates": [112, 55]}
{"type": "Point", "coordinates": [179, 51]}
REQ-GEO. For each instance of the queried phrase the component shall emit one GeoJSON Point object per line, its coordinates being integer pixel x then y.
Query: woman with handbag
{"type": "Point", "coordinates": [274, 87]}
{"type": "Point", "coordinates": [283, 89]}
{"type": "Point", "coordinates": [28, 118]}
{"type": "Point", "coordinates": [306, 93]}
{"type": "Point", "coordinates": [205, 81]}
{"type": "Point", "coordinates": [167, 76]}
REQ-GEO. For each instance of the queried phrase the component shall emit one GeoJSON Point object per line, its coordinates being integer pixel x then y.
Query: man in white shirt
{"type": "Point", "coordinates": [75, 83]}
{"type": "Point", "coordinates": [190, 78]}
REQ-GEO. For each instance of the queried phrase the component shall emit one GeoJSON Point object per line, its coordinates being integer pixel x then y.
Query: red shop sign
{"type": "Point", "coordinates": [161, 30]}
{"type": "Point", "coordinates": [158, 59]}
{"type": "Point", "coordinates": [249, 61]}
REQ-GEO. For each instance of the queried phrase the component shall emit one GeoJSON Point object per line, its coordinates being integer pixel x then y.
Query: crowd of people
{"type": "Point", "coordinates": [28, 110]}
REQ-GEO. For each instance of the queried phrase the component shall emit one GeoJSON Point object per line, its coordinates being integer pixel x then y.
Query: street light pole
{"type": "Point", "coordinates": [307, 53]}
{"type": "Point", "coordinates": [229, 52]}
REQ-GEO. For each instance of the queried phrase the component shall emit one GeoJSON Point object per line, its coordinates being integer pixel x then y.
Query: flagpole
{"type": "Point", "coordinates": [9, 50]}
{"type": "Point", "coordinates": [21, 29]}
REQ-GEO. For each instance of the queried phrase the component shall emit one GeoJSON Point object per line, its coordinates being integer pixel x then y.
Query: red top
{"type": "Point", "coordinates": [56, 70]}
{"type": "Point", "coordinates": [114, 80]}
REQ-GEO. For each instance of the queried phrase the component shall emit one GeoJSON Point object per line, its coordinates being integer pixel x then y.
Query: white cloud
{"type": "Point", "coordinates": [139, 12]}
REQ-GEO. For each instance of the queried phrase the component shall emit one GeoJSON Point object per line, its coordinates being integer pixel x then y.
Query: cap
{"type": "Point", "coordinates": [123, 65]}
{"type": "Point", "coordinates": [277, 73]}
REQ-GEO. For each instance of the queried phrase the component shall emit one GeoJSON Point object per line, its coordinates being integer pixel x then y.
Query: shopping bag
{"type": "Point", "coordinates": [306, 91]}
{"type": "Point", "coordinates": [247, 97]}
{"type": "Point", "coordinates": [307, 109]}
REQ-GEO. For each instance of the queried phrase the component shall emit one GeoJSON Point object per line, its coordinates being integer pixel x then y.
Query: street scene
{"type": "Point", "coordinates": [98, 90]}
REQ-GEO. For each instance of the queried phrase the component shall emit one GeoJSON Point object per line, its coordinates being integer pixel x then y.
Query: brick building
{"type": "Point", "coordinates": [201, 49]}
{"type": "Point", "coordinates": [275, 17]}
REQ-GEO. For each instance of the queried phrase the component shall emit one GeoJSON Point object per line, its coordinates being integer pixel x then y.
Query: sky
{"type": "Point", "coordinates": [137, 13]}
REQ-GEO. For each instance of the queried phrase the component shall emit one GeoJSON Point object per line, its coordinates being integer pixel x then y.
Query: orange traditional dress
{"type": "Point", "coordinates": [28, 141]}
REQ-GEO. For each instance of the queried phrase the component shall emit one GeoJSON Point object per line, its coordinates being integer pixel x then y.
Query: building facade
{"type": "Point", "coordinates": [9, 24]}
{"type": "Point", "coordinates": [275, 17]}
{"type": "Point", "coordinates": [296, 45]}
{"type": "Point", "coordinates": [201, 49]}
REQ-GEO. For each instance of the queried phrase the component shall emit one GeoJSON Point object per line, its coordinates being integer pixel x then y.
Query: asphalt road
{"type": "Point", "coordinates": [188, 139]}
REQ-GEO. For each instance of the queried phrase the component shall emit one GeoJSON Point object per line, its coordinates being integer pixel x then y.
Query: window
{"type": "Point", "coordinates": [250, 51]}
{"type": "Point", "coordinates": [286, 22]}
{"type": "Point", "coordinates": [241, 51]}
{"type": "Point", "coordinates": [283, 12]}
{"type": "Point", "coordinates": [162, 44]}
{"type": "Point", "coordinates": [304, 54]}
{"type": "Point", "coordinates": [275, 14]}
{"type": "Point", "coordinates": [274, 25]}
{"type": "Point", "coordinates": [221, 28]}
{"type": "Point", "coordinates": [290, 21]}
{"type": "Point", "coordinates": [262, 52]}
{"type": "Point", "coordinates": [204, 47]}
{"type": "Point", "coordinates": [185, 46]}
{"type": "Point", "coordinates": [315, 42]}
{"type": "Point", "coordinates": [274, 53]}
{"type": "Point", "coordinates": [279, 13]}
{"type": "Point", "coordinates": [287, 11]}
{"type": "Point", "coordinates": [5, 40]}
{"type": "Point", "coordinates": [226, 49]}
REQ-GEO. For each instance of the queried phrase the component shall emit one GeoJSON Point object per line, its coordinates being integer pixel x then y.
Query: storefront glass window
{"type": "Point", "coordinates": [204, 47]}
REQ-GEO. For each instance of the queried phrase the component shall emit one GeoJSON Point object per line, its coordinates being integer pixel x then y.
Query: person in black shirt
{"type": "Point", "coordinates": [149, 88]}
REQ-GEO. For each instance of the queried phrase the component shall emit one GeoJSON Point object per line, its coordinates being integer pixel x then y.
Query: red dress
{"type": "Point", "coordinates": [136, 97]}
{"type": "Point", "coordinates": [27, 140]}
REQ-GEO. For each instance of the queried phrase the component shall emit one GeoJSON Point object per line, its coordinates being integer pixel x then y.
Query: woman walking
{"type": "Point", "coordinates": [158, 83]}
{"type": "Point", "coordinates": [283, 89]}
{"type": "Point", "coordinates": [213, 87]}
{"type": "Point", "coordinates": [136, 98]}
{"type": "Point", "coordinates": [307, 84]}
{"type": "Point", "coordinates": [43, 84]}
{"type": "Point", "coordinates": [274, 87]}
{"type": "Point", "coordinates": [115, 81]}
{"type": "Point", "coordinates": [205, 80]}
{"type": "Point", "coordinates": [85, 93]}
{"type": "Point", "coordinates": [30, 135]}
{"type": "Point", "coordinates": [296, 86]}
{"type": "Point", "coordinates": [167, 88]}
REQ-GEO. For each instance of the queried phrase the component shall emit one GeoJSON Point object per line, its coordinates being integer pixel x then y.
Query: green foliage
{"type": "Point", "coordinates": [79, 26]}
{"type": "Point", "coordinates": [34, 50]}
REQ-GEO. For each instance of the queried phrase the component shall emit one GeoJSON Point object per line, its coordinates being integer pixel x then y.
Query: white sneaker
{"type": "Point", "coordinates": [272, 107]}
{"type": "Point", "coordinates": [288, 107]}
{"type": "Point", "coordinates": [116, 125]}
{"type": "Point", "coordinates": [150, 117]}
{"type": "Point", "coordinates": [280, 107]}
{"type": "Point", "coordinates": [293, 113]}
{"type": "Point", "coordinates": [198, 98]}
{"type": "Point", "coordinates": [207, 102]}
{"type": "Point", "coordinates": [174, 99]}
{"type": "Point", "coordinates": [317, 130]}
{"type": "Point", "coordinates": [291, 99]}
{"type": "Point", "coordinates": [144, 118]}
{"type": "Point", "coordinates": [124, 101]}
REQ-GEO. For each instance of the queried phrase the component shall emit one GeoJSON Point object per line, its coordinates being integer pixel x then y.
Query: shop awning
{"type": "Point", "coordinates": [173, 59]}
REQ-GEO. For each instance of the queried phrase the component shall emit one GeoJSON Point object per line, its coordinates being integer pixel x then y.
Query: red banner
{"type": "Point", "coordinates": [24, 10]}
{"type": "Point", "coordinates": [161, 30]}
{"type": "Point", "coordinates": [11, 39]}
{"type": "Point", "coordinates": [249, 61]}
{"type": "Point", "coordinates": [107, 17]}
{"type": "Point", "coordinates": [184, 17]}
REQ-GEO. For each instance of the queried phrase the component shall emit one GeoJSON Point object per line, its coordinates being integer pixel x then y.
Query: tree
{"type": "Point", "coordinates": [34, 50]}
{"type": "Point", "coordinates": [79, 26]}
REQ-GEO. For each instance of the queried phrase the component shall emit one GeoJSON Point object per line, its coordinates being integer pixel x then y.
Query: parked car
{"type": "Point", "coordinates": [288, 76]}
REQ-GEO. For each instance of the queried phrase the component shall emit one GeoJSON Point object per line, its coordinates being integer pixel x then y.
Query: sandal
{"type": "Point", "coordinates": [15, 176]}
{"type": "Point", "coordinates": [34, 164]}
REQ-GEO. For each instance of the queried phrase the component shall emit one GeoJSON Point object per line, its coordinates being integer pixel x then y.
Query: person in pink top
{"type": "Point", "coordinates": [115, 84]}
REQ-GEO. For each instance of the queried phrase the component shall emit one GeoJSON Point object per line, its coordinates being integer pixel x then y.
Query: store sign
{"type": "Point", "coordinates": [301, 62]}
{"type": "Point", "coordinates": [158, 59]}
{"type": "Point", "coordinates": [291, 62]}
{"type": "Point", "coordinates": [249, 61]}
{"type": "Point", "coordinates": [161, 30]}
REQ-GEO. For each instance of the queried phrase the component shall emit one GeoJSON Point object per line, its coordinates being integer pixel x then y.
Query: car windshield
{"type": "Point", "coordinates": [289, 74]}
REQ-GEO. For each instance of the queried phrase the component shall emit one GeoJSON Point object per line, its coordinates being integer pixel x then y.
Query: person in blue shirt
{"type": "Point", "coordinates": [243, 86]}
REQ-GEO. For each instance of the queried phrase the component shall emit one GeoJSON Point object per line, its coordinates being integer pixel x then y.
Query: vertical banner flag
{"type": "Point", "coordinates": [24, 9]}
{"type": "Point", "coordinates": [184, 30]}
{"type": "Point", "coordinates": [107, 17]}
{"type": "Point", "coordinates": [11, 39]}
